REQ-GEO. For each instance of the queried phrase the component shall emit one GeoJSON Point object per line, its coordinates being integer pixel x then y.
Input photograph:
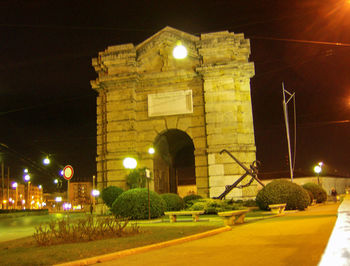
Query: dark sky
{"type": "Point", "coordinates": [48, 107]}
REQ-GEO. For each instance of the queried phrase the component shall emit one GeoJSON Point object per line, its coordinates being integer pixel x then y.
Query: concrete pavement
{"type": "Point", "coordinates": [294, 239]}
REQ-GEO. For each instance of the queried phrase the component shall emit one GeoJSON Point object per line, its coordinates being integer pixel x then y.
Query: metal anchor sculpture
{"type": "Point", "coordinates": [253, 172]}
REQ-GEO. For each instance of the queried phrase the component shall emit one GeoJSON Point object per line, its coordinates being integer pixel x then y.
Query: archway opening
{"type": "Point", "coordinates": [174, 163]}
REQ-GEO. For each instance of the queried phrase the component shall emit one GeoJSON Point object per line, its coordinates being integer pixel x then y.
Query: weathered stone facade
{"type": "Point", "coordinates": [144, 92]}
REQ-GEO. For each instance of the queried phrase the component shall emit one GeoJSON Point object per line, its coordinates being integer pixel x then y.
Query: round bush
{"type": "Point", "coordinates": [133, 204]}
{"type": "Point", "coordinates": [317, 191]}
{"type": "Point", "coordinates": [310, 195]}
{"type": "Point", "coordinates": [283, 191]}
{"type": "Point", "coordinates": [173, 202]}
{"type": "Point", "coordinates": [109, 194]}
{"type": "Point", "coordinates": [190, 199]}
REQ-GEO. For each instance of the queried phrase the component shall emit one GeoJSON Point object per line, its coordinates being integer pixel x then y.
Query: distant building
{"type": "Point", "coordinates": [80, 193]}
{"type": "Point", "coordinates": [25, 196]}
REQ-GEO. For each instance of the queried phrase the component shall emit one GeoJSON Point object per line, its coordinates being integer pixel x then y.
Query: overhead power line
{"type": "Point", "coordinates": [301, 41]}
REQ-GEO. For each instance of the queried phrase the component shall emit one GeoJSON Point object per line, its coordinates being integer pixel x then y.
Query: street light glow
{"type": "Point", "coordinates": [27, 177]}
{"type": "Point", "coordinates": [95, 193]}
{"type": "Point", "coordinates": [151, 150]}
{"type": "Point", "coordinates": [180, 51]}
{"type": "Point", "coordinates": [130, 163]}
{"type": "Point", "coordinates": [14, 185]}
{"type": "Point", "coordinates": [317, 169]}
{"type": "Point", "coordinates": [58, 199]}
{"type": "Point", "coordinates": [46, 161]}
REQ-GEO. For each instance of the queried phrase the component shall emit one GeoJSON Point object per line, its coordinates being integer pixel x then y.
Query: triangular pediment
{"type": "Point", "coordinates": [155, 53]}
{"type": "Point", "coordinates": [171, 31]}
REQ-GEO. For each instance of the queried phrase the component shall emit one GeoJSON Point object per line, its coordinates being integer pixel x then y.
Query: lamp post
{"type": "Point", "coordinates": [95, 193]}
{"type": "Point", "coordinates": [15, 185]}
{"type": "Point", "coordinates": [318, 170]}
{"type": "Point", "coordinates": [27, 179]}
{"type": "Point", "coordinates": [148, 177]}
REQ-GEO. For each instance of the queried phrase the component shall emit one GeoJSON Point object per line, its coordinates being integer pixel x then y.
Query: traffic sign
{"type": "Point", "coordinates": [68, 172]}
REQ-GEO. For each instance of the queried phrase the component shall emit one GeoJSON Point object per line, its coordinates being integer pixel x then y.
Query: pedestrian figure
{"type": "Point", "coordinates": [334, 194]}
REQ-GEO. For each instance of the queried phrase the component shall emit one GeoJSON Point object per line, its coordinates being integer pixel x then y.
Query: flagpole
{"type": "Point", "coordinates": [285, 112]}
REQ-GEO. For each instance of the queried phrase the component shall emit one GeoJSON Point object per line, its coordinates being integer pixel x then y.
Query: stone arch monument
{"type": "Point", "coordinates": [188, 109]}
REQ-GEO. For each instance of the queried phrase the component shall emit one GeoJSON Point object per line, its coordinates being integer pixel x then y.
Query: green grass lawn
{"type": "Point", "coordinates": [25, 251]}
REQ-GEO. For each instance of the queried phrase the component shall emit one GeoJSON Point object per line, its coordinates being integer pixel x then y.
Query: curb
{"type": "Point", "coordinates": [124, 253]}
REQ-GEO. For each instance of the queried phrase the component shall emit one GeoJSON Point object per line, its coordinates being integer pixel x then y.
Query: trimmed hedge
{"type": "Point", "coordinates": [173, 202]}
{"type": "Point", "coordinates": [317, 191]}
{"type": "Point", "coordinates": [283, 191]}
{"type": "Point", "coordinates": [110, 194]}
{"type": "Point", "coordinates": [190, 199]}
{"type": "Point", "coordinates": [133, 204]}
{"type": "Point", "coordinates": [213, 206]}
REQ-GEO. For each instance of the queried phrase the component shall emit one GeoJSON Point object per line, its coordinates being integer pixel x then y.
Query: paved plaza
{"type": "Point", "coordinates": [298, 238]}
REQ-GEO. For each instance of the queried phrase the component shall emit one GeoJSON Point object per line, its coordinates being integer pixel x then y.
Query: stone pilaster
{"type": "Point", "coordinates": [228, 114]}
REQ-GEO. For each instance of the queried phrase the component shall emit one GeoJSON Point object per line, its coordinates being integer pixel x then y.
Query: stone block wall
{"type": "Point", "coordinates": [217, 71]}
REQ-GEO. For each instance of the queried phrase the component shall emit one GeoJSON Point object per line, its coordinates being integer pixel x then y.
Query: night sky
{"type": "Point", "coordinates": [47, 106]}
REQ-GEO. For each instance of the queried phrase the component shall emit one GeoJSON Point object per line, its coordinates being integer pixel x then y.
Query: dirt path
{"type": "Point", "coordinates": [295, 239]}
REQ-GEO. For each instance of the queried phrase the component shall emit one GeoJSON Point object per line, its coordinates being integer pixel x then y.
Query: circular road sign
{"type": "Point", "coordinates": [68, 172]}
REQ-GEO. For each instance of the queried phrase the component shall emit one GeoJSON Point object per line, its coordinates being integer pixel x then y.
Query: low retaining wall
{"type": "Point", "coordinates": [337, 251]}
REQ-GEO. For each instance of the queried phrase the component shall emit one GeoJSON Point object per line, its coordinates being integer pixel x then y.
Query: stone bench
{"type": "Point", "coordinates": [277, 208]}
{"type": "Point", "coordinates": [233, 217]}
{"type": "Point", "coordinates": [173, 214]}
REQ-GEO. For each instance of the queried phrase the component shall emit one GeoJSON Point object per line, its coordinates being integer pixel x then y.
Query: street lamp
{"type": "Point", "coordinates": [130, 163]}
{"type": "Point", "coordinates": [46, 161]}
{"type": "Point", "coordinates": [95, 193]}
{"type": "Point", "coordinates": [15, 185]}
{"type": "Point", "coordinates": [318, 170]}
{"type": "Point", "coordinates": [151, 150]}
{"type": "Point", "coordinates": [27, 179]}
{"type": "Point", "coordinates": [180, 51]}
{"type": "Point", "coordinates": [148, 177]}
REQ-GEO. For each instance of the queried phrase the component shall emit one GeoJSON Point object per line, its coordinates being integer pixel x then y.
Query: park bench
{"type": "Point", "coordinates": [233, 217]}
{"type": "Point", "coordinates": [277, 208]}
{"type": "Point", "coordinates": [173, 214]}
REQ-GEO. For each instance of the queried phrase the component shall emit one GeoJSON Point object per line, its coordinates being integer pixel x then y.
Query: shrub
{"type": "Point", "coordinates": [310, 195]}
{"type": "Point", "coordinates": [109, 195]}
{"type": "Point", "coordinates": [173, 202]}
{"type": "Point", "coordinates": [85, 229]}
{"type": "Point", "coordinates": [244, 203]}
{"type": "Point", "coordinates": [213, 206]}
{"type": "Point", "coordinates": [283, 191]}
{"type": "Point", "coordinates": [133, 204]}
{"type": "Point", "coordinates": [137, 178]}
{"type": "Point", "coordinates": [190, 199]}
{"type": "Point", "coordinates": [317, 191]}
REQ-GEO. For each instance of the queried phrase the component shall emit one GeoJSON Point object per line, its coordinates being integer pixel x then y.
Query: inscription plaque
{"type": "Point", "coordinates": [170, 103]}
